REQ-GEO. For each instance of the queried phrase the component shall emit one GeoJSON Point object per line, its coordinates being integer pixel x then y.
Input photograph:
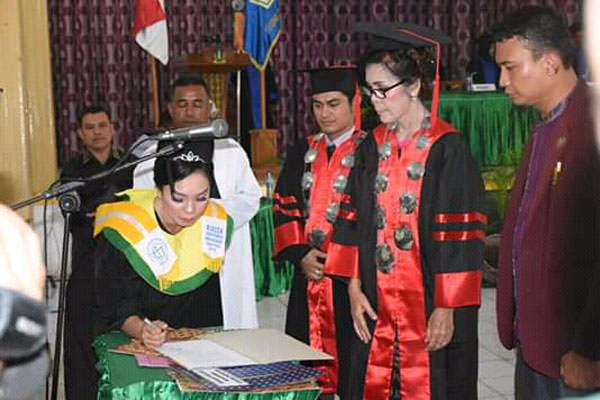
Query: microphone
{"type": "Point", "coordinates": [214, 130]}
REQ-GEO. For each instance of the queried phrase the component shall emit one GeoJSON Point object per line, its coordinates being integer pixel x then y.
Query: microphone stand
{"type": "Point", "coordinates": [69, 202]}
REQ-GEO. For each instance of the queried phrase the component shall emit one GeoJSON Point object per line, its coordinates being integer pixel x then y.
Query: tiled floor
{"type": "Point", "coordinates": [495, 362]}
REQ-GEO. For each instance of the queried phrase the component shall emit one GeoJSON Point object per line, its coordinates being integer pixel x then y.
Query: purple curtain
{"type": "Point", "coordinates": [95, 58]}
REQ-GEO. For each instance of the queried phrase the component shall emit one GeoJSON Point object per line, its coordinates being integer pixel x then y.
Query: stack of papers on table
{"type": "Point", "coordinates": [239, 360]}
{"type": "Point", "coordinates": [254, 378]}
{"type": "Point", "coordinates": [202, 353]}
{"type": "Point", "coordinates": [239, 347]}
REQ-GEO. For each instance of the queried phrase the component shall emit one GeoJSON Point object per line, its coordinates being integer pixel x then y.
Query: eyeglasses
{"type": "Point", "coordinates": [381, 93]}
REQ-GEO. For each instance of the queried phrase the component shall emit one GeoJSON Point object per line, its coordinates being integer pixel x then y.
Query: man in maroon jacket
{"type": "Point", "coordinates": [550, 243]}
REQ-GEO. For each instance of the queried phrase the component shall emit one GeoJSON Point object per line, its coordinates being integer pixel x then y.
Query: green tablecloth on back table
{"type": "Point", "coordinates": [495, 130]}
{"type": "Point", "coordinates": [122, 379]}
{"type": "Point", "coordinates": [270, 278]}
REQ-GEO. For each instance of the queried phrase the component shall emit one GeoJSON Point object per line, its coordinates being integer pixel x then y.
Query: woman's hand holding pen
{"type": "Point", "coordinates": [154, 332]}
{"type": "Point", "coordinates": [151, 333]}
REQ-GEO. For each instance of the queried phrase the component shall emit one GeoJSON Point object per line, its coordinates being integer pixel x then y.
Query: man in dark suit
{"type": "Point", "coordinates": [97, 155]}
{"type": "Point", "coordinates": [550, 242]}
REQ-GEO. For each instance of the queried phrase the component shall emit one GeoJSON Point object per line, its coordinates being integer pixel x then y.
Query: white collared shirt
{"type": "Point", "coordinates": [338, 141]}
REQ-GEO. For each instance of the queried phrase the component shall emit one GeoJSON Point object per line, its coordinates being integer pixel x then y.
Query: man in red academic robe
{"type": "Point", "coordinates": [310, 201]}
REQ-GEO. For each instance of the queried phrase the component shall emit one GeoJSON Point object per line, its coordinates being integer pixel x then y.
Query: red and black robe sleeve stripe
{"type": "Point", "coordinates": [289, 208]}
{"type": "Point", "coordinates": [456, 225]}
{"type": "Point", "coordinates": [342, 254]}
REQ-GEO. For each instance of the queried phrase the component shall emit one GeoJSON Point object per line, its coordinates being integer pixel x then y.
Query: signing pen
{"type": "Point", "coordinates": [147, 321]}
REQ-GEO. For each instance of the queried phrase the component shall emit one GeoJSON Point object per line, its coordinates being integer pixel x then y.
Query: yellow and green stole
{"type": "Point", "coordinates": [172, 264]}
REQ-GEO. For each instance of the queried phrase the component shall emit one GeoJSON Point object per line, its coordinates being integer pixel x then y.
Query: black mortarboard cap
{"type": "Point", "coordinates": [338, 78]}
{"type": "Point", "coordinates": [405, 35]}
{"type": "Point", "coordinates": [400, 35]}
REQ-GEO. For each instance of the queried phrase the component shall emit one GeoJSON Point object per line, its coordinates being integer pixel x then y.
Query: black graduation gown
{"type": "Point", "coordinates": [452, 184]}
{"type": "Point", "coordinates": [121, 293]}
{"type": "Point", "coordinates": [345, 233]}
{"type": "Point", "coordinates": [79, 361]}
{"type": "Point", "coordinates": [289, 184]}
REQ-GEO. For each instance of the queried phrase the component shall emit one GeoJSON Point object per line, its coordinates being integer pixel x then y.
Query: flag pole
{"type": "Point", "coordinates": [263, 98]}
{"type": "Point", "coordinates": [154, 87]}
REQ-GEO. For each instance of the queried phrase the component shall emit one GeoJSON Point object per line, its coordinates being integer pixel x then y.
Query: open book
{"type": "Point", "coordinates": [238, 348]}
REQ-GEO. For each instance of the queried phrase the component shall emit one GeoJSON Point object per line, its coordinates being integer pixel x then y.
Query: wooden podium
{"type": "Point", "coordinates": [264, 152]}
{"type": "Point", "coordinates": [216, 70]}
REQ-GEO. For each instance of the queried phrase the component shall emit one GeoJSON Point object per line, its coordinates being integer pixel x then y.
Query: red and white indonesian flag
{"type": "Point", "coordinates": [150, 28]}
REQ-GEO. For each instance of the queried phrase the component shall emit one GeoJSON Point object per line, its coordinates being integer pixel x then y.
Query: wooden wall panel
{"type": "Point", "coordinates": [27, 135]}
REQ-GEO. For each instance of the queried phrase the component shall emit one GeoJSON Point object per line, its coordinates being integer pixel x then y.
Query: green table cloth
{"type": "Point", "coordinates": [270, 278]}
{"type": "Point", "coordinates": [122, 379]}
{"type": "Point", "coordinates": [495, 130]}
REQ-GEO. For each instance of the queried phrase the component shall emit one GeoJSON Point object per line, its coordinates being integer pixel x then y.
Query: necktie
{"type": "Point", "coordinates": [330, 150]}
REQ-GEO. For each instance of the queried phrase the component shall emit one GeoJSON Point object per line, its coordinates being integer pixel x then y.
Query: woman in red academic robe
{"type": "Point", "coordinates": [420, 213]}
